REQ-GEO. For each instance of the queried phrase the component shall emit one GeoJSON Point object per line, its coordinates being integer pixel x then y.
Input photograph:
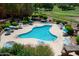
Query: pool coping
{"type": "Point", "coordinates": [46, 42]}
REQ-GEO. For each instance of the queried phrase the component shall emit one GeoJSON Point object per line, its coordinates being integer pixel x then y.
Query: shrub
{"type": "Point", "coordinates": [41, 16]}
{"type": "Point", "coordinates": [16, 49]}
{"type": "Point", "coordinates": [70, 29]}
{"type": "Point", "coordinates": [14, 23]}
{"type": "Point", "coordinates": [25, 20]}
{"type": "Point", "coordinates": [7, 24]}
{"type": "Point", "coordinates": [58, 21]}
{"type": "Point", "coordinates": [21, 50]}
{"type": "Point", "coordinates": [45, 17]}
{"type": "Point", "coordinates": [4, 50]}
{"type": "Point", "coordinates": [77, 39]}
{"type": "Point", "coordinates": [1, 28]}
{"type": "Point", "coordinates": [35, 15]}
{"type": "Point", "coordinates": [43, 51]}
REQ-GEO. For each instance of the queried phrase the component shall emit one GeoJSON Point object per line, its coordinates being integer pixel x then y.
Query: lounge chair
{"type": "Point", "coordinates": [7, 33]}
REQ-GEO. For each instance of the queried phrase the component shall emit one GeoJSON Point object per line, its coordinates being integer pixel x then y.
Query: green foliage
{"type": "Point", "coordinates": [43, 51]}
{"type": "Point", "coordinates": [56, 9]}
{"type": "Point", "coordinates": [44, 16]}
{"type": "Point", "coordinates": [7, 24]}
{"type": "Point", "coordinates": [70, 29]}
{"type": "Point", "coordinates": [21, 50]}
{"type": "Point", "coordinates": [35, 15]}
{"type": "Point", "coordinates": [14, 23]}
{"type": "Point", "coordinates": [66, 7]}
{"type": "Point", "coordinates": [76, 9]}
{"type": "Point", "coordinates": [43, 5]}
{"type": "Point", "coordinates": [77, 39]}
{"type": "Point", "coordinates": [16, 48]}
{"type": "Point", "coordinates": [25, 20]}
{"type": "Point", "coordinates": [4, 50]}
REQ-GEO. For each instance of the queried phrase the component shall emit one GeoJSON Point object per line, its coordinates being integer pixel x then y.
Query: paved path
{"type": "Point", "coordinates": [57, 45]}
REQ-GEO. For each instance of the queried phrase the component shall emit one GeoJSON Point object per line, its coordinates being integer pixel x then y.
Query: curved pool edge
{"type": "Point", "coordinates": [45, 41]}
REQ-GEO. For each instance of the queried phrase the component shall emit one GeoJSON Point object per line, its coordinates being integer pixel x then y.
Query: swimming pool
{"type": "Point", "coordinates": [41, 32]}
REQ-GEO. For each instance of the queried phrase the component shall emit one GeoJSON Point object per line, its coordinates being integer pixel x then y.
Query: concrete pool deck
{"type": "Point", "coordinates": [56, 45]}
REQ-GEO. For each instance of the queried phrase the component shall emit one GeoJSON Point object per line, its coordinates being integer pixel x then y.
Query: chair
{"type": "Point", "coordinates": [7, 33]}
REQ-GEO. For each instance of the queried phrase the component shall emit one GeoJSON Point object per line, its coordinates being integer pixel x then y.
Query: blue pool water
{"type": "Point", "coordinates": [41, 33]}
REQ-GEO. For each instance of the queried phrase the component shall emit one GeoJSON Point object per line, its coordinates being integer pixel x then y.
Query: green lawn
{"type": "Point", "coordinates": [62, 15]}
{"type": "Point", "coordinates": [65, 13]}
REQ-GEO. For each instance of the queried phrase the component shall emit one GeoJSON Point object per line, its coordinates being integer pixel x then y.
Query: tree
{"type": "Point", "coordinates": [16, 9]}
{"type": "Point", "coordinates": [2, 11]}
{"type": "Point", "coordinates": [27, 10]}
{"type": "Point", "coordinates": [56, 8]}
{"type": "Point", "coordinates": [66, 6]}
{"type": "Point", "coordinates": [44, 5]}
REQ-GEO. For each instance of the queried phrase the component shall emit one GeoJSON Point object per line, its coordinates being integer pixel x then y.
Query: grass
{"type": "Point", "coordinates": [67, 13]}
{"type": "Point", "coordinates": [62, 15]}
